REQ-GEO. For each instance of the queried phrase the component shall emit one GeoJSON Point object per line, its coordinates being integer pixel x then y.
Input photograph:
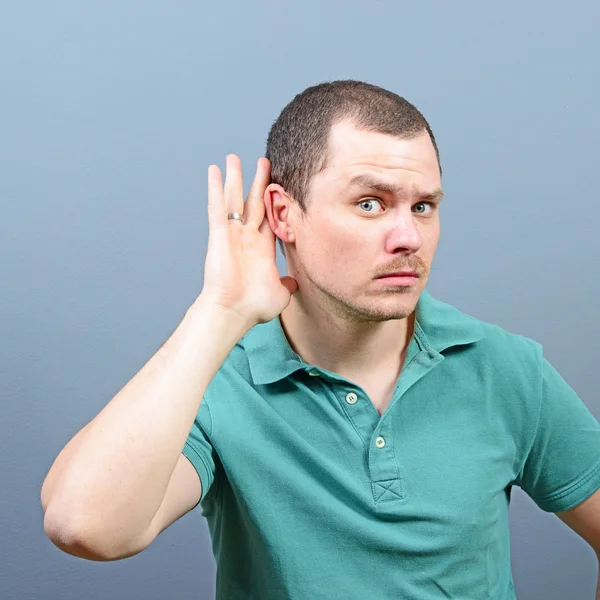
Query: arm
{"type": "Point", "coordinates": [105, 488]}
{"type": "Point", "coordinates": [123, 477]}
{"type": "Point", "coordinates": [561, 471]}
{"type": "Point", "coordinates": [584, 519]}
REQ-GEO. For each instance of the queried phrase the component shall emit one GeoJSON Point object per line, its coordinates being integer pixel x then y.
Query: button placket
{"type": "Point", "coordinates": [359, 411]}
{"type": "Point", "coordinates": [386, 482]}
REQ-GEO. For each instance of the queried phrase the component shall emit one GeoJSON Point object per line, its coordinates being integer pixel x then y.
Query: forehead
{"type": "Point", "coordinates": [352, 151]}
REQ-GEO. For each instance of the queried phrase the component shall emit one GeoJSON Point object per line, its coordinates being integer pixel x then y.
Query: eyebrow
{"type": "Point", "coordinates": [367, 181]}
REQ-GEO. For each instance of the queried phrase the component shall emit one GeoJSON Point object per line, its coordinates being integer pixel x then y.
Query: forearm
{"type": "Point", "coordinates": [109, 481]}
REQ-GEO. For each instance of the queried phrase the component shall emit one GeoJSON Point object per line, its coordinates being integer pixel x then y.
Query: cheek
{"type": "Point", "coordinates": [334, 253]}
{"type": "Point", "coordinates": [431, 239]}
{"type": "Point", "coordinates": [344, 245]}
{"type": "Point", "coordinates": [335, 249]}
{"type": "Point", "coordinates": [329, 237]}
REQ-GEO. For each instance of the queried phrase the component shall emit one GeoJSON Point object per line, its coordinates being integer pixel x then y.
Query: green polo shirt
{"type": "Point", "coordinates": [310, 494]}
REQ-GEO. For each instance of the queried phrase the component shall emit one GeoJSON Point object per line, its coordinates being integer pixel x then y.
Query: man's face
{"type": "Point", "coordinates": [354, 232]}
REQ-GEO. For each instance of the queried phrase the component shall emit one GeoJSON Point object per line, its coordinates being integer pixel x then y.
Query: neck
{"type": "Point", "coordinates": [339, 344]}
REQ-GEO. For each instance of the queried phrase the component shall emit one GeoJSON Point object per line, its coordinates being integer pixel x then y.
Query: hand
{"type": "Point", "coordinates": [240, 273]}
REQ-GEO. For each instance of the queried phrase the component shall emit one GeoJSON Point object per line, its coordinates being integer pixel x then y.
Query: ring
{"type": "Point", "coordinates": [234, 215]}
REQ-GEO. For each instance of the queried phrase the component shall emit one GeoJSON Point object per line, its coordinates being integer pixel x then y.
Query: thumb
{"type": "Point", "coordinates": [290, 284]}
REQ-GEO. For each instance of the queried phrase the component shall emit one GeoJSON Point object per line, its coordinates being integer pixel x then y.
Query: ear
{"type": "Point", "coordinates": [279, 212]}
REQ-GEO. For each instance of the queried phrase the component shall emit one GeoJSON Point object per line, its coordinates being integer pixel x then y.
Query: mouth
{"type": "Point", "coordinates": [400, 274]}
{"type": "Point", "coordinates": [401, 278]}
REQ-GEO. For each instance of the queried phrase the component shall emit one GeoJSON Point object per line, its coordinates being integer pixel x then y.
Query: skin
{"type": "Point", "coordinates": [341, 318]}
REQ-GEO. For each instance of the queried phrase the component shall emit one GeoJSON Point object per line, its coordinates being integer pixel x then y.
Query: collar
{"type": "Point", "coordinates": [438, 326]}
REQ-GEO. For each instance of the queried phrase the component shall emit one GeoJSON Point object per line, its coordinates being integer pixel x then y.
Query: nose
{"type": "Point", "coordinates": [403, 233]}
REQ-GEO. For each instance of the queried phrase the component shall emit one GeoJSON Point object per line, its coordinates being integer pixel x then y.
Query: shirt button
{"type": "Point", "coordinates": [380, 442]}
{"type": "Point", "coordinates": [351, 398]}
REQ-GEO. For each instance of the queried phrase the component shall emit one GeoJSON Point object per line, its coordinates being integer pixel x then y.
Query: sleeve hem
{"type": "Point", "coordinates": [572, 495]}
{"type": "Point", "coordinates": [201, 468]}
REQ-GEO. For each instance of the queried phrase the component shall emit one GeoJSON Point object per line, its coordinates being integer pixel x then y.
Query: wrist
{"type": "Point", "coordinates": [207, 310]}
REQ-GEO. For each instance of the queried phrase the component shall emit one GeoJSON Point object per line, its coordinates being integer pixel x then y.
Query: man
{"type": "Point", "coordinates": [346, 434]}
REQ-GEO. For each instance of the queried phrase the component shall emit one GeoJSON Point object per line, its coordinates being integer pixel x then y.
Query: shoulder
{"type": "Point", "coordinates": [506, 372]}
{"type": "Point", "coordinates": [514, 345]}
{"type": "Point", "coordinates": [505, 359]}
{"type": "Point", "coordinates": [233, 376]}
{"type": "Point", "coordinates": [507, 347]}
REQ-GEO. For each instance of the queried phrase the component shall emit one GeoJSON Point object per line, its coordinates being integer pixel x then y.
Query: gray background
{"type": "Point", "coordinates": [110, 114]}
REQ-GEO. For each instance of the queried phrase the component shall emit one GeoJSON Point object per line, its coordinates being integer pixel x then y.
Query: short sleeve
{"type": "Point", "coordinates": [562, 467]}
{"type": "Point", "coordinates": [199, 449]}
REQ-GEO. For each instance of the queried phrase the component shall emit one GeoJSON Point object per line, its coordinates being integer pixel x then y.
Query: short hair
{"type": "Point", "coordinates": [297, 144]}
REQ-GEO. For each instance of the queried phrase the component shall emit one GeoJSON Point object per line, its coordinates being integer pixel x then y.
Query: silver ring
{"type": "Point", "coordinates": [234, 215]}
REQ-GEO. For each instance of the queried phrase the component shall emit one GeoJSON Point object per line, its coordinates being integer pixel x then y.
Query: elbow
{"type": "Point", "coordinates": [83, 541]}
{"type": "Point", "coordinates": [69, 539]}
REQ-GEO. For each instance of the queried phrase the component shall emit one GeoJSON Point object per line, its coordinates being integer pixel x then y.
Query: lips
{"type": "Point", "coordinates": [400, 274]}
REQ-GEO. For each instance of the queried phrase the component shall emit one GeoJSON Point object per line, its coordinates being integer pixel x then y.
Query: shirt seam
{"type": "Point", "coordinates": [539, 415]}
{"type": "Point", "coordinates": [210, 415]}
{"type": "Point", "coordinates": [216, 479]}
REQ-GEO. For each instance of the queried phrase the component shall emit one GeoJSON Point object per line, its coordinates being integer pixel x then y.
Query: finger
{"type": "Point", "coordinates": [290, 283]}
{"type": "Point", "coordinates": [255, 206]}
{"type": "Point", "coordinates": [217, 211]}
{"type": "Point", "coordinates": [266, 232]}
{"type": "Point", "coordinates": [234, 188]}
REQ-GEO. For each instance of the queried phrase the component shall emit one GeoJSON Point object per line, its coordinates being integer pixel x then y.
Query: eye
{"type": "Point", "coordinates": [369, 200]}
{"type": "Point", "coordinates": [431, 204]}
